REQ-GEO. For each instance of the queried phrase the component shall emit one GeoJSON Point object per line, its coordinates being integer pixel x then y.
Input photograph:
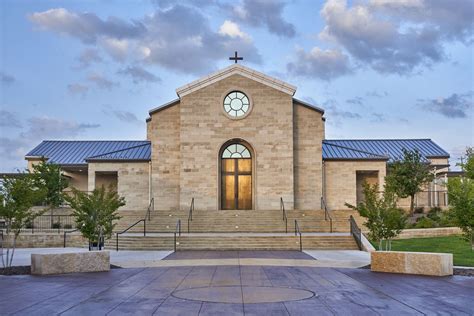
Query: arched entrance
{"type": "Point", "coordinates": [236, 176]}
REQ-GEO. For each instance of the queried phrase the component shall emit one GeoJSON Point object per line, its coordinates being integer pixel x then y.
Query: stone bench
{"type": "Point", "coordinates": [423, 263]}
{"type": "Point", "coordinates": [59, 263]}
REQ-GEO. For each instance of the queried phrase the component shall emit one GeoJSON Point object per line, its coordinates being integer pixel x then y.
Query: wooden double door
{"type": "Point", "coordinates": [236, 183]}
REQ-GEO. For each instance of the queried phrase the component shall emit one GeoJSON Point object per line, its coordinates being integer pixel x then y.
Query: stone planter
{"type": "Point", "coordinates": [423, 263]}
{"type": "Point", "coordinates": [59, 263]}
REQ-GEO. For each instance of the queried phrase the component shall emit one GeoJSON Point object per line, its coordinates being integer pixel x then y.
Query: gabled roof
{"type": "Point", "coordinates": [337, 152]}
{"type": "Point", "coordinates": [139, 152]}
{"type": "Point", "coordinates": [77, 152]}
{"type": "Point", "coordinates": [392, 149]}
{"type": "Point", "coordinates": [239, 70]}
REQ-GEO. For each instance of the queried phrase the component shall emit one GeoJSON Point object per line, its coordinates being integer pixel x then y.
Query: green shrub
{"type": "Point", "coordinates": [425, 222]}
{"type": "Point", "coordinates": [67, 226]}
{"type": "Point", "coordinates": [419, 210]}
{"type": "Point", "coordinates": [56, 225]}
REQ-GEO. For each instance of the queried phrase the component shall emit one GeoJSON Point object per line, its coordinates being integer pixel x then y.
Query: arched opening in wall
{"type": "Point", "coordinates": [236, 175]}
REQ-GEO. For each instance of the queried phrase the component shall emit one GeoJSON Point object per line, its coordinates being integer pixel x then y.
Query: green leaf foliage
{"type": "Point", "coordinates": [96, 212]}
{"type": "Point", "coordinates": [384, 220]}
{"type": "Point", "coordinates": [49, 176]}
{"type": "Point", "coordinates": [406, 177]}
{"type": "Point", "coordinates": [17, 197]}
{"type": "Point", "coordinates": [461, 198]}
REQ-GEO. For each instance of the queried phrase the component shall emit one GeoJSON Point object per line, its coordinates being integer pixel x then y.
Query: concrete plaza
{"type": "Point", "coordinates": [236, 290]}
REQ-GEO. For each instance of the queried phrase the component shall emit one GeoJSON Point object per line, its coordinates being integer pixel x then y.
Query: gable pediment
{"type": "Point", "coordinates": [239, 70]}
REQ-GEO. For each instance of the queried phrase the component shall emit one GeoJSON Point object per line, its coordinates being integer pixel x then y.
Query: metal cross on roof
{"type": "Point", "coordinates": [235, 58]}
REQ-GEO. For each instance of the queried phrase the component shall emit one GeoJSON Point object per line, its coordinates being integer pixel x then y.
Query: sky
{"type": "Point", "coordinates": [93, 69]}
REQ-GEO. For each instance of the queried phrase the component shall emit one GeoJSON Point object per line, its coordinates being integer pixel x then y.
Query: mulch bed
{"type": "Point", "coordinates": [16, 270]}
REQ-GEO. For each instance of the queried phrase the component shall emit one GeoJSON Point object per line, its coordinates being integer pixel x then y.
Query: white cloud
{"type": "Point", "coordinates": [393, 36]}
{"type": "Point", "coordinates": [231, 29]}
{"type": "Point", "coordinates": [139, 74]}
{"type": "Point", "coordinates": [77, 89]}
{"type": "Point", "coordinates": [102, 82]}
{"type": "Point", "coordinates": [166, 38]}
{"type": "Point", "coordinates": [318, 63]}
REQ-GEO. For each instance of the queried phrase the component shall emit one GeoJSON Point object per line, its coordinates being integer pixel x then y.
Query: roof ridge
{"type": "Point", "coordinates": [116, 151]}
{"type": "Point", "coordinates": [358, 150]}
{"type": "Point", "coordinates": [376, 139]}
{"type": "Point", "coordinates": [93, 140]}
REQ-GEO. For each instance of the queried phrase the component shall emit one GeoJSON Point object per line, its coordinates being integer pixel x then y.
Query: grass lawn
{"type": "Point", "coordinates": [460, 248]}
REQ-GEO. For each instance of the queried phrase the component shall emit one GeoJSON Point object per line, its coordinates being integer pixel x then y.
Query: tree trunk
{"type": "Point", "coordinates": [412, 205]}
{"type": "Point", "coordinates": [472, 241]}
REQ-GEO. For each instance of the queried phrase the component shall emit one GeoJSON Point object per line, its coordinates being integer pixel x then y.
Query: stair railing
{"type": "Point", "coordinates": [177, 231]}
{"type": "Point", "coordinates": [190, 214]}
{"type": "Point", "coordinates": [298, 232]}
{"type": "Point", "coordinates": [327, 215]}
{"type": "Point", "coordinates": [151, 207]}
{"type": "Point", "coordinates": [356, 232]}
{"type": "Point", "coordinates": [65, 235]}
{"type": "Point", "coordinates": [285, 217]}
{"type": "Point", "coordinates": [127, 229]}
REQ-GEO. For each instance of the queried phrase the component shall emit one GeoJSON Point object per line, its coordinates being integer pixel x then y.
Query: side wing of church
{"type": "Point", "coordinates": [235, 140]}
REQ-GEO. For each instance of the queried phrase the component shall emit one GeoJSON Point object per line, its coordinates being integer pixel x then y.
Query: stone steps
{"type": "Point", "coordinates": [233, 242]}
{"type": "Point", "coordinates": [236, 221]}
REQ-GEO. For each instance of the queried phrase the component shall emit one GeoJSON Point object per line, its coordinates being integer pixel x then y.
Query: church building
{"type": "Point", "coordinates": [236, 139]}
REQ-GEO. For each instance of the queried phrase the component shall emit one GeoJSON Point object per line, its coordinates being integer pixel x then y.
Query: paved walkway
{"type": "Point", "coordinates": [236, 290]}
{"type": "Point", "coordinates": [141, 259]}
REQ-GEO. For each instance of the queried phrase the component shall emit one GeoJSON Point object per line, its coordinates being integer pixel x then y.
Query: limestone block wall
{"type": "Point", "coordinates": [205, 128]}
{"type": "Point", "coordinates": [77, 180]}
{"type": "Point", "coordinates": [133, 181]}
{"type": "Point", "coordinates": [341, 180]}
{"type": "Point", "coordinates": [164, 134]}
{"type": "Point", "coordinates": [308, 133]}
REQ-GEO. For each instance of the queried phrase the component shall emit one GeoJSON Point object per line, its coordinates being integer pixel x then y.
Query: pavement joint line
{"type": "Point", "coordinates": [242, 262]}
{"type": "Point", "coordinates": [382, 293]}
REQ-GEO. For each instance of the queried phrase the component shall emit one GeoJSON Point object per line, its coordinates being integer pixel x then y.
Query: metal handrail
{"type": "Point", "coordinates": [356, 232]}
{"type": "Point", "coordinates": [151, 207]}
{"type": "Point", "coordinates": [68, 232]}
{"type": "Point", "coordinates": [177, 231]}
{"type": "Point", "coordinates": [190, 214]}
{"type": "Point", "coordinates": [285, 217]}
{"type": "Point", "coordinates": [127, 229]}
{"type": "Point", "coordinates": [327, 215]}
{"type": "Point", "coordinates": [298, 231]}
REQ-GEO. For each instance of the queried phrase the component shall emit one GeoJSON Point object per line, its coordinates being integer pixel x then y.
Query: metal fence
{"type": "Point", "coordinates": [44, 223]}
{"type": "Point", "coordinates": [425, 199]}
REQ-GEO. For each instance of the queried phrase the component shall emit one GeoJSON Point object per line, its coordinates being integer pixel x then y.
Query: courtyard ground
{"type": "Point", "coordinates": [460, 248]}
{"type": "Point", "coordinates": [236, 290]}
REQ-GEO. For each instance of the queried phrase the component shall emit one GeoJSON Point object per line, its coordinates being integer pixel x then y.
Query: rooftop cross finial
{"type": "Point", "coordinates": [235, 58]}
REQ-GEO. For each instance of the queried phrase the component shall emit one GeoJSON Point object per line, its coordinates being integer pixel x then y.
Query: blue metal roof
{"type": "Point", "coordinates": [74, 152]}
{"type": "Point", "coordinates": [391, 149]}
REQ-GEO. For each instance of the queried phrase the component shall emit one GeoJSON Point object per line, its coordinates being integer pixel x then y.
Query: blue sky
{"type": "Point", "coordinates": [93, 69]}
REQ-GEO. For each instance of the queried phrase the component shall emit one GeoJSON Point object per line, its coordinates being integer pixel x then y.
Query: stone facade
{"type": "Point", "coordinates": [187, 139]}
{"type": "Point", "coordinates": [307, 135]}
{"type": "Point", "coordinates": [340, 179]}
{"type": "Point", "coordinates": [132, 181]}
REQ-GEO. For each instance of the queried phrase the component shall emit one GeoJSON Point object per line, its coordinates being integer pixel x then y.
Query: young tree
{"type": "Point", "coordinates": [461, 197]}
{"type": "Point", "coordinates": [95, 213]}
{"type": "Point", "coordinates": [17, 197]}
{"type": "Point", "coordinates": [407, 176]}
{"type": "Point", "coordinates": [49, 176]}
{"type": "Point", "coordinates": [384, 220]}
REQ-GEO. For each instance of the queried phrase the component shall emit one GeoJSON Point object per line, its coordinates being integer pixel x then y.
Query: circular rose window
{"type": "Point", "coordinates": [236, 104]}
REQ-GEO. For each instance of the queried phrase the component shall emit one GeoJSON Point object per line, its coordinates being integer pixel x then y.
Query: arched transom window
{"type": "Point", "coordinates": [236, 151]}
{"type": "Point", "coordinates": [236, 104]}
